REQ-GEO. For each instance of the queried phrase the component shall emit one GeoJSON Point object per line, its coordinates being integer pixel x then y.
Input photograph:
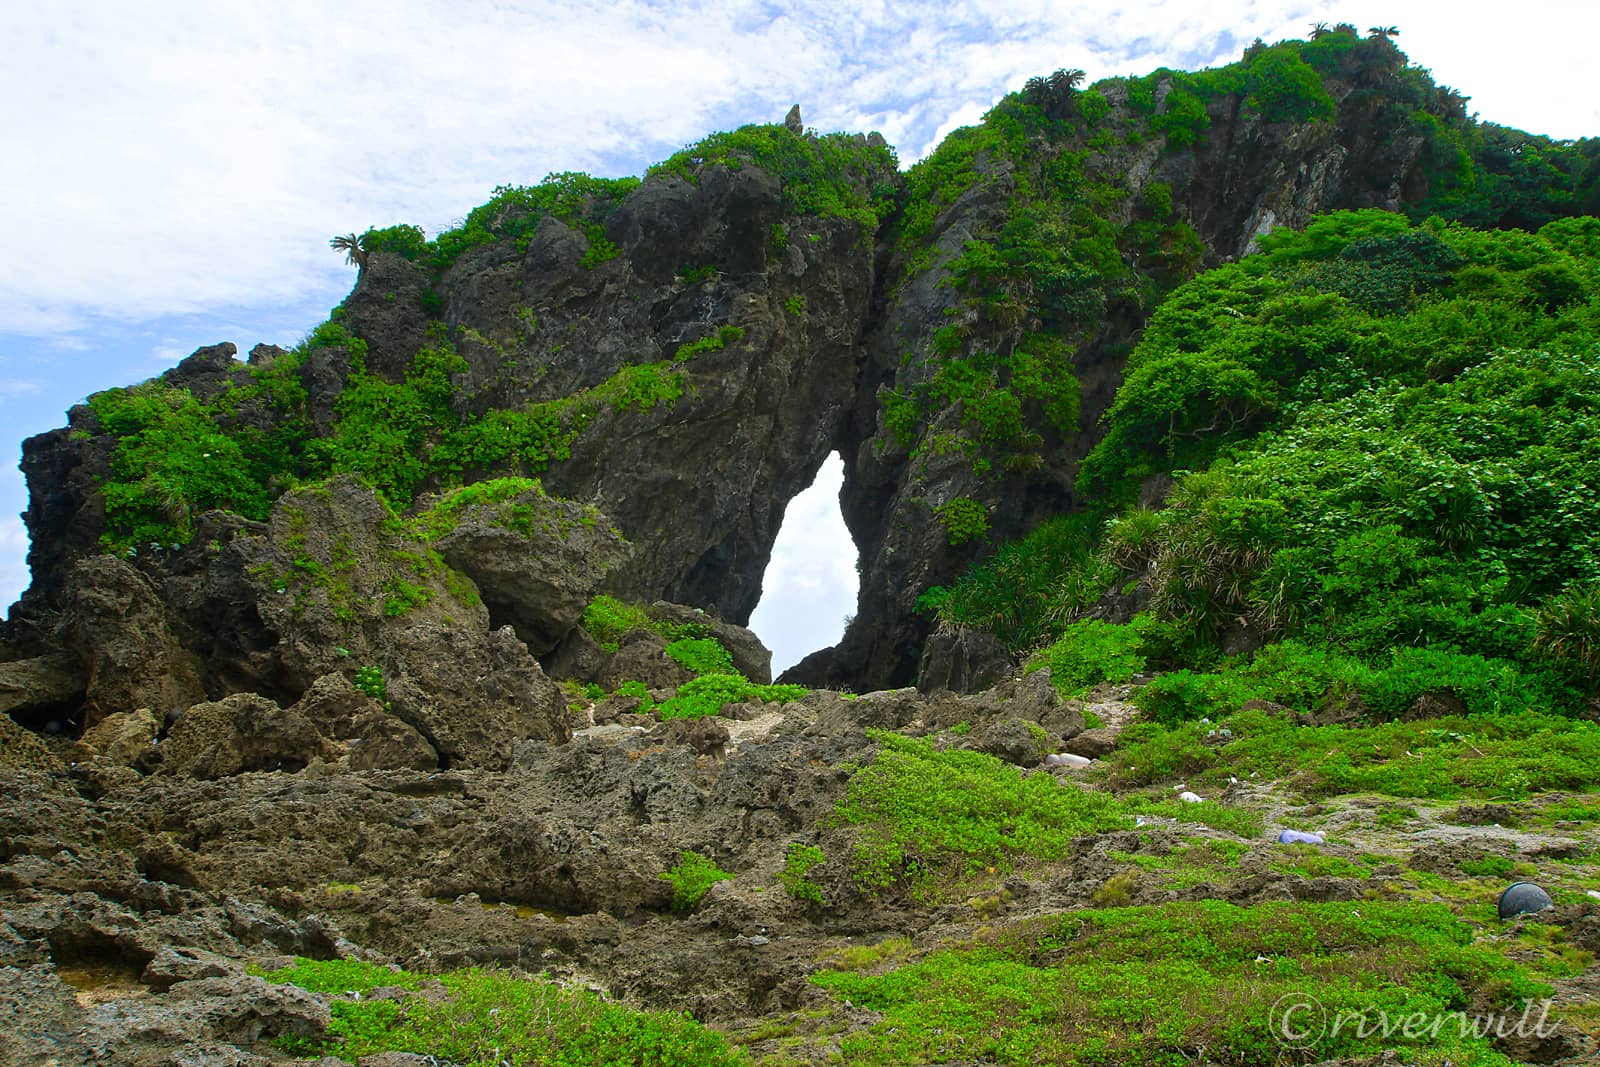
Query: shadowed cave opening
{"type": "Point", "coordinates": [810, 586]}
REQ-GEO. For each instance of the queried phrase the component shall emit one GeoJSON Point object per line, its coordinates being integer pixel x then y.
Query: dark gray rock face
{"type": "Point", "coordinates": [962, 661]}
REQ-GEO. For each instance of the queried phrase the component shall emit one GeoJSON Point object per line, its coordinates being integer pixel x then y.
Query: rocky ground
{"type": "Point", "coordinates": [139, 908]}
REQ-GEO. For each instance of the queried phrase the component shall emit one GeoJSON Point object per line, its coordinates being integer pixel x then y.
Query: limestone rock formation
{"type": "Point", "coordinates": [536, 561]}
{"type": "Point", "coordinates": [708, 338]}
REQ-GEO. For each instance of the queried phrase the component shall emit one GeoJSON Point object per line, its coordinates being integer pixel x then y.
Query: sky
{"type": "Point", "coordinates": [173, 170]}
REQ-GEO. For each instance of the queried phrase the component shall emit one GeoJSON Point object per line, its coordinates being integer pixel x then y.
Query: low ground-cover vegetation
{"type": "Point", "coordinates": [1157, 985]}
{"type": "Point", "coordinates": [489, 1018]}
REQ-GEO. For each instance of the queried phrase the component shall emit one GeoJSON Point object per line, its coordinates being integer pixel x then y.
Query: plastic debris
{"type": "Point", "coordinates": [1066, 759]}
{"type": "Point", "coordinates": [1191, 798]}
{"type": "Point", "coordinates": [1595, 893]}
{"type": "Point", "coordinates": [1523, 898]}
{"type": "Point", "coordinates": [1300, 837]}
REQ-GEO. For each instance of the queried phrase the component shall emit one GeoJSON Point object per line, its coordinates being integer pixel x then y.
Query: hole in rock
{"type": "Point", "coordinates": [51, 720]}
{"type": "Point", "coordinates": [809, 590]}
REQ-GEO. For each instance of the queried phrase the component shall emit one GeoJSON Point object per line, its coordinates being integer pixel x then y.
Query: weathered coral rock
{"type": "Point", "coordinates": [537, 561]}
{"type": "Point", "coordinates": [243, 732]}
{"type": "Point", "coordinates": [120, 632]}
{"type": "Point", "coordinates": [124, 738]}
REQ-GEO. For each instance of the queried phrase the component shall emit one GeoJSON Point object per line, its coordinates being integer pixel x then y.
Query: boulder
{"type": "Point", "coordinates": [471, 696]}
{"type": "Point", "coordinates": [888, 709]}
{"type": "Point", "coordinates": [117, 627]}
{"type": "Point", "coordinates": [173, 964]}
{"type": "Point", "coordinates": [233, 1010]}
{"type": "Point", "coordinates": [642, 656]}
{"type": "Point", "coordinates": [1014, 740]}
{"type": "Point", "coordinates": [706, 736]}
{"type": "Point", "coordinates": [124, 738]}
{"type": "Point", "coordinates": [1095, 744]}
{"type": "Point", "coordinates": [243, 732]}
{"type": "Point", "coordinates": [578, 657]}
{"type": "Point", "coordinates": [381, 742]}
{"type": "Point", "coordinates": [21, 749]}
{"type": "Point", "coordinates": [1037, 700]}
{"type": "Point", "coordinates": [536, 560]}
{"type": "Point", "coordinates": [335, 706]}
{"type": "Point", "coordinates": [40, 682]}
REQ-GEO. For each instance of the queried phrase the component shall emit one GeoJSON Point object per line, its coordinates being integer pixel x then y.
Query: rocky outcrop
{"type": "Point", "coordinates": [118, 628]}
{"type": "Point", "coordinates": [536, 560]}
{"type": "Point", "coordinates": [41, 682]}
{"type": "Point", "coordinates": [244, 732]}
{"type": "Point", "coordinates": [800, 320]}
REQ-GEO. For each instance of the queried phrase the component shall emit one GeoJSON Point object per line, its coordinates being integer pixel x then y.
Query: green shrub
{"type": "Point", "coordinates": [1024, 592]}
{"type": "Point", "coordinates": [797, 864]}
{"type": "Point", "coordinates": [964, 520]}
{"type": "Point", "coordinates": [692, 878]}
{"type": "Point", "coordinates": [1089, 652]}
{"type": "Point", "coordinates": [404, 240]}
{"type": "Point", "coordinates": [1568, 632]}
{"type": "Point", "coordinates": [1184, 696]}
{"type": "Point", "coordinates": [607, 619]}
{"type": "Point", "coordinates": [702, 655]}
{"type": "Point", "coordinates": [705, 696]}
{"type": "Point", "coordinates": [369, 680]}
{"type": "Point", "coordinates": [833, 176]}
{"type": "Point", "coordinates": [172, 462]}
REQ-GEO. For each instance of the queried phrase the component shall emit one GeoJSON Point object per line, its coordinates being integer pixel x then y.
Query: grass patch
{"type": "Point", "coordinates": [925, 816]}
{"type": "Point", "coordinates": [1492, 756]}
{"type": "Point", "coordinates": [692, 879]}
{"type": "Point", "coordinates": [490, 1019]}
{"type": "Point", "coordinates": [1181, 982]}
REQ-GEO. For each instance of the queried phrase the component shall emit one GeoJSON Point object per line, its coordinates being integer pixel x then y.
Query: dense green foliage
{"type": "Point", "coordinates": [513, 213]}
{"type": "Point", "coordinates": [1320, 315]}
{"type": "Point", "coordinates": [1090, 651]}
{"type": "Point", "coordinates": [1385, 443]}
{"type": "Point", "coordinates": [176, 456]}
{"type": "Point", "coordinates": [1504, 756]}
{"type": "Point", "coordinates": [1438, 514]}
{"type": "Point", "coordinates": [607, 619]}
{"type": "Point", "coordinates": [1157, 985]}
{"type": "Point", "coordinates": [490, 1018]}
{"type": "Point", "coordinates": [702, 655]}
{"type": "Point", "coordinates": [833, 176]}
{"type": "Point", "coordinates": [1028, 588]}
{"type": "Point", "coordinates": [798, 863]}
